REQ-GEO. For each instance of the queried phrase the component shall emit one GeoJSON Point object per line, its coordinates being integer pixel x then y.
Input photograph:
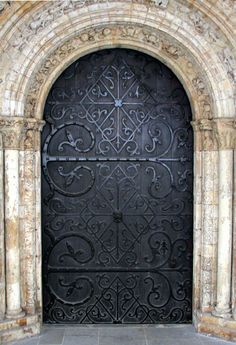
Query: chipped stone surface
{"type": "Point", "coordinates": [197, 40]}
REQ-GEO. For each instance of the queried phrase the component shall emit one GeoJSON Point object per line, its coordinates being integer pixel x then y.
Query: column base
{"type": "Point", "coordinates": [208, 324]}
{"type": "Point", "coordinates": [15, 314]}
{"type": "Point", "coordinates": [14, 330]}
{"type": "Point", "coordinates": [224, 313]}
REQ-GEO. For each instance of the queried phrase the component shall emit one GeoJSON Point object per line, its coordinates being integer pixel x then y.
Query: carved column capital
{"type": "Point", "coordinates": [31, 137]}
{"type": "Point", "coordinates": [204, 129]}
{"type": "Point", "coordinates": [20, 133]}
{"type": "Point", "coordinates": [11, 130]}
{"type": "Point", "coordinates": [225, 133]}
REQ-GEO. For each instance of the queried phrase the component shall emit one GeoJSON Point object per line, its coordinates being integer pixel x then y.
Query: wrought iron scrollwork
{"type": "Point", "coordinates": [117, 193]}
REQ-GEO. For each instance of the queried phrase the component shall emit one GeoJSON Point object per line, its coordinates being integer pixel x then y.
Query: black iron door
{"type": "Point", "coordinates": [117, 193]}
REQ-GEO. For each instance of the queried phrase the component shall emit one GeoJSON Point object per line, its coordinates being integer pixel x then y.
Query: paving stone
{"type": "Point", "coordinates": [81, 331]}
{"type": "Point", "coordinates": [171, 332]}
{"type": "Point", "coordinates": [115, 332]}
{"type": "Point", "coordinates": [52, 336]}
{"type": "Point", "coordinates": [206, 340]}
{"type": "Point", "coordinates": [122, 340]}
{"type": "Point", "coordinates": [81, 340]}
{"type": "Point", "coordinates": [172, 341]}
{"type": "Point", "coordinates": [121, 335]}
{"type": "Point", "coordinates": [29, 341]}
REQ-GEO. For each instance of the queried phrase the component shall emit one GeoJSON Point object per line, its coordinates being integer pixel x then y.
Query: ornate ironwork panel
{"type": "Point", "coordinates": [117, 193]}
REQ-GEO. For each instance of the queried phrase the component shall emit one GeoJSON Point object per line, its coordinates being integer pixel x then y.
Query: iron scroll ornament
{"type": "Point", "coordinates": [117, 193]}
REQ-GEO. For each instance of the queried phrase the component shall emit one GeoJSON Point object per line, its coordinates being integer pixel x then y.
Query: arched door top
{"type": "Point", "coordinates": [117, 160]}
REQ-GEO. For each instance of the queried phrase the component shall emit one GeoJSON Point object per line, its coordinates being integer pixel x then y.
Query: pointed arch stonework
{"type": "Point", "coordinates": [24, 89]}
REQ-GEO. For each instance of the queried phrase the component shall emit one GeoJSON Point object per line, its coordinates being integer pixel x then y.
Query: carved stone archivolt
{"type": "Point", "coordinates": [201, 24]}
{"type": "Point", "coordinates": [136, 34]}
{"type": "Point", "coordinates": [46, 16]}
{"type": "Point", "coordinates": [4, 5]}
{"type": "Point", "coordinates": [20, 133]}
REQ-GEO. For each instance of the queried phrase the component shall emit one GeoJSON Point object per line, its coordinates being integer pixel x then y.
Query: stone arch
{"type": "Point", "coordinates": [39, 42]}
{"type": "Point", "coordinates": [133, 36]}
{"type": "Point", "coordinates": [196, 39]}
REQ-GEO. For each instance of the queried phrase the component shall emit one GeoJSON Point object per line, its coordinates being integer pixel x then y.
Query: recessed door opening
{"type": "Point", "coordinates": [117, 176]}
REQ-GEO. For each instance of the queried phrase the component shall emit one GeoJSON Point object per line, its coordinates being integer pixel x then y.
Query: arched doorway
{"type": "Point", "coordinates": [117, 193]}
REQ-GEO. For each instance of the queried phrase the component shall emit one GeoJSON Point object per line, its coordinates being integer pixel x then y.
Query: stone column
{"type": "Point", "coordinates": [225, 135]}
{"type": "Point", "coordinates": [197, 221]}
{"type": "Point", "coordinates": [2, 237]}
{"type": "Point", "coordinates": [30, 146]}
{"type": "Point", "coordinates": [234, 245]}
{"type": "Point", "coordinates": [206, 241]}
{"type": "Point", "coordinates": [11, 129]}
{"type": "Point", "coordinates": [38, 227]}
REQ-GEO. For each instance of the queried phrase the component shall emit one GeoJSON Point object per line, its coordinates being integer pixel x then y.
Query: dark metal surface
{"type": "Point", "coordinates": [117, 193]}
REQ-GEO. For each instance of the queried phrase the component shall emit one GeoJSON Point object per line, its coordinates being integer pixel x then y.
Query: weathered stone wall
{"type": "Point", "coordinates": [197, 40]}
